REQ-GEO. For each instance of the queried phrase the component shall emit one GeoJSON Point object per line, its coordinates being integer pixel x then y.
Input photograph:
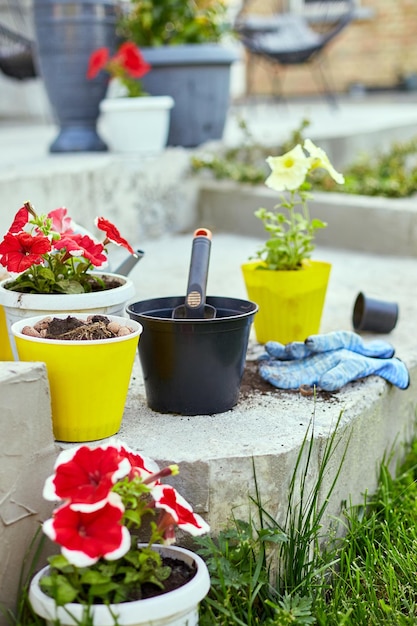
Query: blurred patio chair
{"type": "Point", "coordinates": [288, 39]}
{"type": "Point", "coordinates": [16, 44]}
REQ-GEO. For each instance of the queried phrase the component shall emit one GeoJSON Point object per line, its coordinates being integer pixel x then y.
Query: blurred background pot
{"type": "Point", "coordinates": [138, 125]}
{"type": "Point", "coordinates": [197, 77]}
{"type": "Point", "coordinates": [67, 31]}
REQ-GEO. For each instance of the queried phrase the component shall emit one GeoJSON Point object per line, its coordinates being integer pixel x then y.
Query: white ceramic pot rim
{"type": "Point", "coordinates": [180, 600]}
{"type": "Point", "coordinates": [68, 302]}
{"type": "Point", "coordinates": [31, 321]}
{"type": "Point", "coordinates": [137, 104]}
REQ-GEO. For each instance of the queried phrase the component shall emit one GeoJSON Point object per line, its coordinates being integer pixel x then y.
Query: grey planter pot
{"type": "Point", "coordinates": [67, 31]}
{"type": "Point", "coordinates": [197, 76]}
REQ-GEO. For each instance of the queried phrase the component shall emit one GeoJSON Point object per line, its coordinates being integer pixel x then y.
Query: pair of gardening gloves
{"type": "Point", "coordinates": [330, 361]}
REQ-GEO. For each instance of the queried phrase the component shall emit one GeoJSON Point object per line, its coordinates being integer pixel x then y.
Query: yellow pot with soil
{"type": "Point", "coordinates": [88, 378]}
{"type": "Point", "coordinates": [290, 302]}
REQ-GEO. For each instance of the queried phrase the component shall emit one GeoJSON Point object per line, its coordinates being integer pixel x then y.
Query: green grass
{"type": "Point", "coordinates": [391, 173]}
{"type": "Point", "coordinates": [299, 574]}
{"type": "Point", "coordinates": [263, 573]}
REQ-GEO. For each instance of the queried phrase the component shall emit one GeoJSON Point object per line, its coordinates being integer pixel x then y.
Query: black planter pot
{"type": "Point", "coordinates": [378, 316]}
{"type": "Point", "coordinates": [193, 366]}
{"type": "Point", "coordinates": [67, 31]}
{"type": "Point", "coordinates": [197, 76]}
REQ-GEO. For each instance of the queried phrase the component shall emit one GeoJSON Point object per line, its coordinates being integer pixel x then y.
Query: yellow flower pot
{"type": "Point", "coordinates": [290, 302]}
{"type": "Point", "coordinates": [88, 379]}
{"type": "Point", "coordinates": [6, 353]}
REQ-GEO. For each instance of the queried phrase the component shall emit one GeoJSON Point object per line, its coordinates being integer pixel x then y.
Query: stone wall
{"type": "Point", "coordinates": [27, 456]}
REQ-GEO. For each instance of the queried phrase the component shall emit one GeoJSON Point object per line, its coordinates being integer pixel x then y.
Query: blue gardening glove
{"type": "Point", "coordinates": [326, 342]}
{"type": "Point", "coordinates": [332, 370]}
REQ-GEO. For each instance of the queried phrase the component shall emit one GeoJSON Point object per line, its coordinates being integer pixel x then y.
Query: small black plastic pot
{"type": "Point", "coordinates": [193, 366]}
{"type": "Point", "coordinates": [378, 316]}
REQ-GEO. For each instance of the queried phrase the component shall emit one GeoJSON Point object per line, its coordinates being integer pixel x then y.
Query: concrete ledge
{"type": "Point", "coordinates": [215, 452]}
{"type": "Point", "coordinates": [145, 197]}
{"type": "Point", "coordinates": [28, 453]}
{"type": "Point", "coordinates": [375, 225]}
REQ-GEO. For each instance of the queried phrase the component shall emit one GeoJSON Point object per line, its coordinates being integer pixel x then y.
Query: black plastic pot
{"type": "Point", "coordinates": [193, 366]}
{"type": "Point", "coordinates": [378, 316]}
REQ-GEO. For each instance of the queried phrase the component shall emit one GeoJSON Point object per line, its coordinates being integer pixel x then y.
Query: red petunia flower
{"type": "Point", "coordinates": [139, 466]}
{"type": "Point", "coordinates": [97, 62]}
{"type": "Point", "coordinates": [178, 509]}
{"type": "Point", "coordinates": [93, 251]}
{"type": "Point", "coordinates": [85, 476]}
{"type": "Point", "coordinates": [82, 246]}
{"type": "Point", "coordinates": [61, 222]}
{"type": "Point", "coordinates": [130, 58]}
{"type": "Point", "coordinates": [18, 252]}
{"type": "Point", "coordinates": [70, 242]}
{"type": "Point", "coordinates": [86, 537]}
{"type": "Point", "coordinates": [113, 234]}
{"type": "Point", "coordinates": [20, 220]}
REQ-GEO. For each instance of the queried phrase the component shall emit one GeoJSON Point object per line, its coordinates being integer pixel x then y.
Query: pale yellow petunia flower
{"type": "Point", "coordinates": [289, 170]}
{"type": "Point", "coordinates": [320, 159]}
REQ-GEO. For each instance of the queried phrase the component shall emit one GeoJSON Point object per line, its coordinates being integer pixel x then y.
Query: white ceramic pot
{"type": "Point", "coordinates": [174, 608]}
{"type": "Point", "coordinates": [138, 125]}
{"type": "Point", "coordinates": [22, 305]}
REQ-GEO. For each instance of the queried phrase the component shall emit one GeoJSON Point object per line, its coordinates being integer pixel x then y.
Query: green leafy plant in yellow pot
{"type": "Point", "coordinates": [288, 286]}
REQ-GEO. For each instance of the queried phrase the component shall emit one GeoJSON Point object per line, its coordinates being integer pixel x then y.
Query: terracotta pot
{"type": "Point", "coordinates": [290, 302]}
{"type": "Point", "coordinates": [174, 608]}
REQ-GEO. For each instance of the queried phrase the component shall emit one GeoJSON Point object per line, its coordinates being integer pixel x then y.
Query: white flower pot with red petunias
{"type": "Point", "coordinates": [18, 306]}
{"type": "Point", "coordinates": [103, 577]}
{"type": "Point", "coordinates": [51, 261]}
{"type": "Point", "coordinates": [133, 122]}
{"type": "Point", "coordinates": [174, 608]}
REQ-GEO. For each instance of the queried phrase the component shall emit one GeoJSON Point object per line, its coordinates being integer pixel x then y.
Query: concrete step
{"type": "Point", "coordinates": [155, 200]}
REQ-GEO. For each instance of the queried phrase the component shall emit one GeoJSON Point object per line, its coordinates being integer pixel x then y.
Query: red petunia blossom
{"type": "Point", "coordinates": [20, 251]}
{"type": "Point", "coordinates": [113, 234]}
{"type": "Point", "coordinates": [61, 222]}
{"type": "Point", "coordinates": [97, 62]}
{"type": "Point", "coordinates": [145, 468]}
{"type": "Point", "coordinates": [130, 58]}
{"type": "Point", "coordinates": [86, 537]}
{"type": "Point", "coordinates": [85, 476]}
{"type": "Point", "coordinates": [93, 251]}
{"type": "Point", "coordinates": [20, 220]}
{"type": "Point", "coordinates": [82, 246]}
{"type": "Point", "coordinates": [69, 242]}
{"type": "Point", "coordinates": [167, 498]}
